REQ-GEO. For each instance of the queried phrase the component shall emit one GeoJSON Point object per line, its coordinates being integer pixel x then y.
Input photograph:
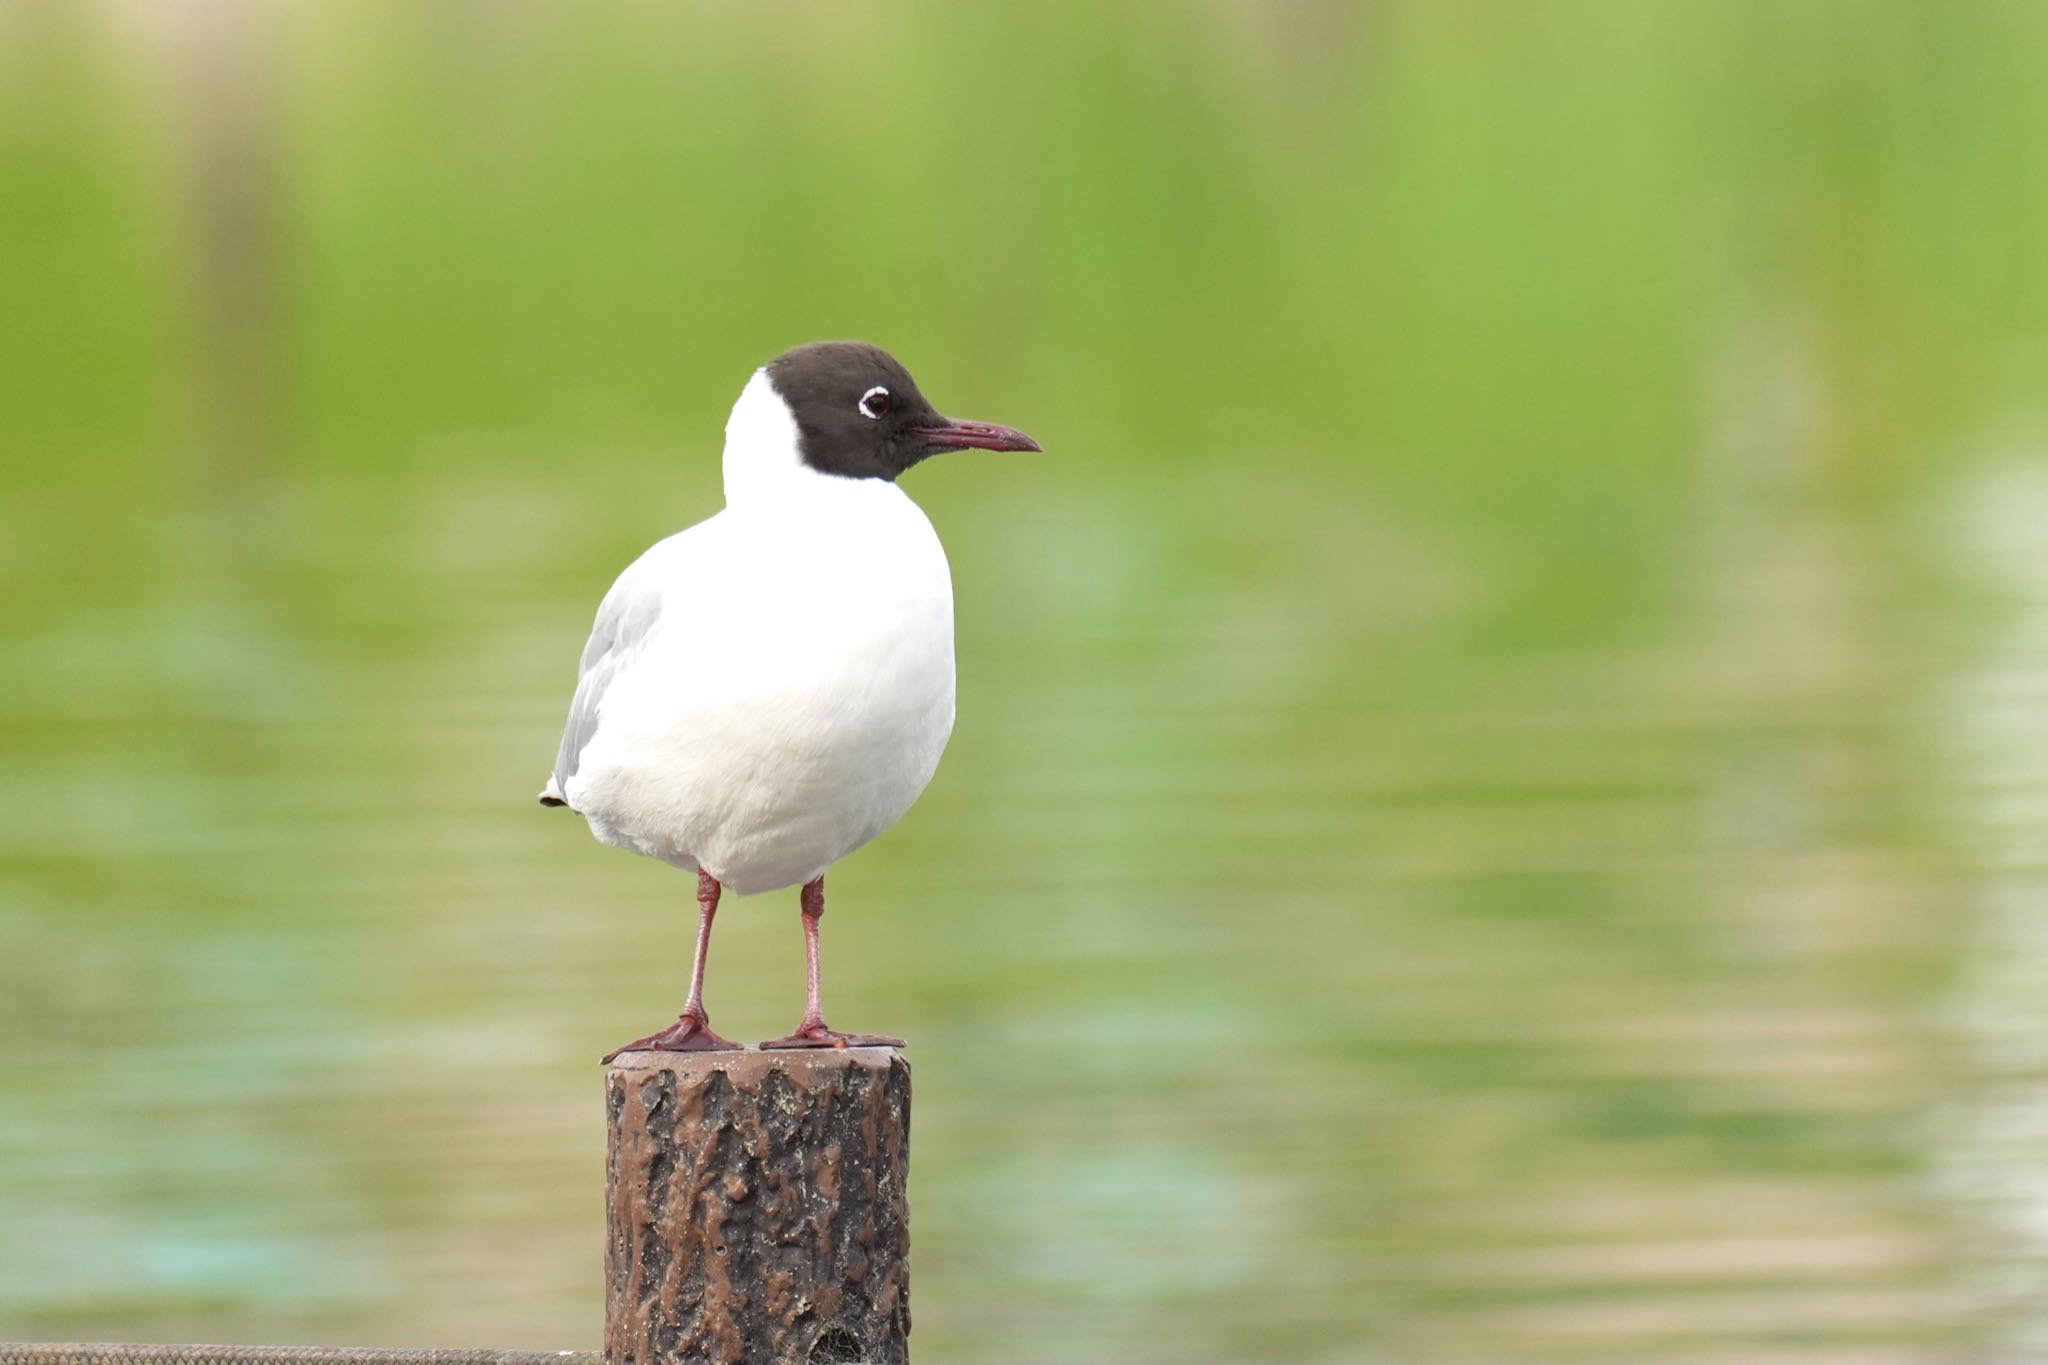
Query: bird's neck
{"type": "Point", "coordinates": [764, 465]}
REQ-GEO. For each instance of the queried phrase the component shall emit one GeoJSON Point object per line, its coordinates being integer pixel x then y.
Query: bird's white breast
{"type": "Point", "coordinates": [795, 695]}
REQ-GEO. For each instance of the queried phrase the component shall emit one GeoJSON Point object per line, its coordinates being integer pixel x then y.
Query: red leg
{"type": "Point", "coordinates": [691, 1032]}
{"type": "Point", "coordinates": [812, 1031]}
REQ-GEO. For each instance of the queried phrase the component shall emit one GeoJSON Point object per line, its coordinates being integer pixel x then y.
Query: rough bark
{"type": "Point", "coordinates": [757, 1207]}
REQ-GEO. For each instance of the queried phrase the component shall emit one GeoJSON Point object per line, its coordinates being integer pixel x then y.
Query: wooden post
{"type": "Point", "coordinates": [756, 1205]}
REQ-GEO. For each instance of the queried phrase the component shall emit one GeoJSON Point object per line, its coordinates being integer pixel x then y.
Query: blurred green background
{"type": "Point", "coordinates": [1495, 809]}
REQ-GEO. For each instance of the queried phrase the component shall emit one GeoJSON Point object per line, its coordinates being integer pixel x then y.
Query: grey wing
{"type": "Point", "coordinates": [624, 620]}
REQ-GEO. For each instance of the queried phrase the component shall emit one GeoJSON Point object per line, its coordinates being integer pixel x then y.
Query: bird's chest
{"type": "Point", "coordinates": [866, 595]}
{"type": "Point", "coordinates": [836, 701]}
{"type": "Point", "coordinates": [831, 640]}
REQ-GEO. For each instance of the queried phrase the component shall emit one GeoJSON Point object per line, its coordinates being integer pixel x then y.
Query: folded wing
{"type": "Point", "coordinates": [625, 620]}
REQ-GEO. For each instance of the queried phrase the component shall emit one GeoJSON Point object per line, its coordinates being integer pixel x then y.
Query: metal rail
{"type": "Point", "coordinates": [138, 1353]}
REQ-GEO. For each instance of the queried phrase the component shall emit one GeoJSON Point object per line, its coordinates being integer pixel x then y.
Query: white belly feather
{"type": "Point", "coordinates": [793, 697]}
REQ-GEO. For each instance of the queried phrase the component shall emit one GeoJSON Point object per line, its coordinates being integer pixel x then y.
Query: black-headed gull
{"type": "Point", "coordinates": [768, 690]}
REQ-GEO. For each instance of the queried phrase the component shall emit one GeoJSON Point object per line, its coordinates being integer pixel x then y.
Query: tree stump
{"type": "Point", "coordinates": [756, 1207]}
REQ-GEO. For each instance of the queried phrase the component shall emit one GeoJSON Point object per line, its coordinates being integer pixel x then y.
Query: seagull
{"type": "Point", "coordinates": [768, 690]}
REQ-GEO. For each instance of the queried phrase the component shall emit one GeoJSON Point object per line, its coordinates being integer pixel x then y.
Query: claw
{"type": "Point", "coordinates": [817, 1035]}
{"type": "Point", "coordinates": [689, 1033]}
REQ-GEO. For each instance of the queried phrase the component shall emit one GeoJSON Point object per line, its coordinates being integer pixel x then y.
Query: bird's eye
{"type": "Point", "coordinates": [875, 402]}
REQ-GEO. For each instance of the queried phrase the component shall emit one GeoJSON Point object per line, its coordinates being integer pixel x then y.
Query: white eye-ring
{"type": "Point", "coordinates": [875, 403]}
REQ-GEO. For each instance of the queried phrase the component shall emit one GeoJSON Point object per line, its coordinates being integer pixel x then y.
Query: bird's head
{"type": "Point", "coordinates": [859, 414]}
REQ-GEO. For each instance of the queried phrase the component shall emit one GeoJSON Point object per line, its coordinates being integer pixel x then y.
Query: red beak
{"type": "Point", "coordinates": [975, 436]}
